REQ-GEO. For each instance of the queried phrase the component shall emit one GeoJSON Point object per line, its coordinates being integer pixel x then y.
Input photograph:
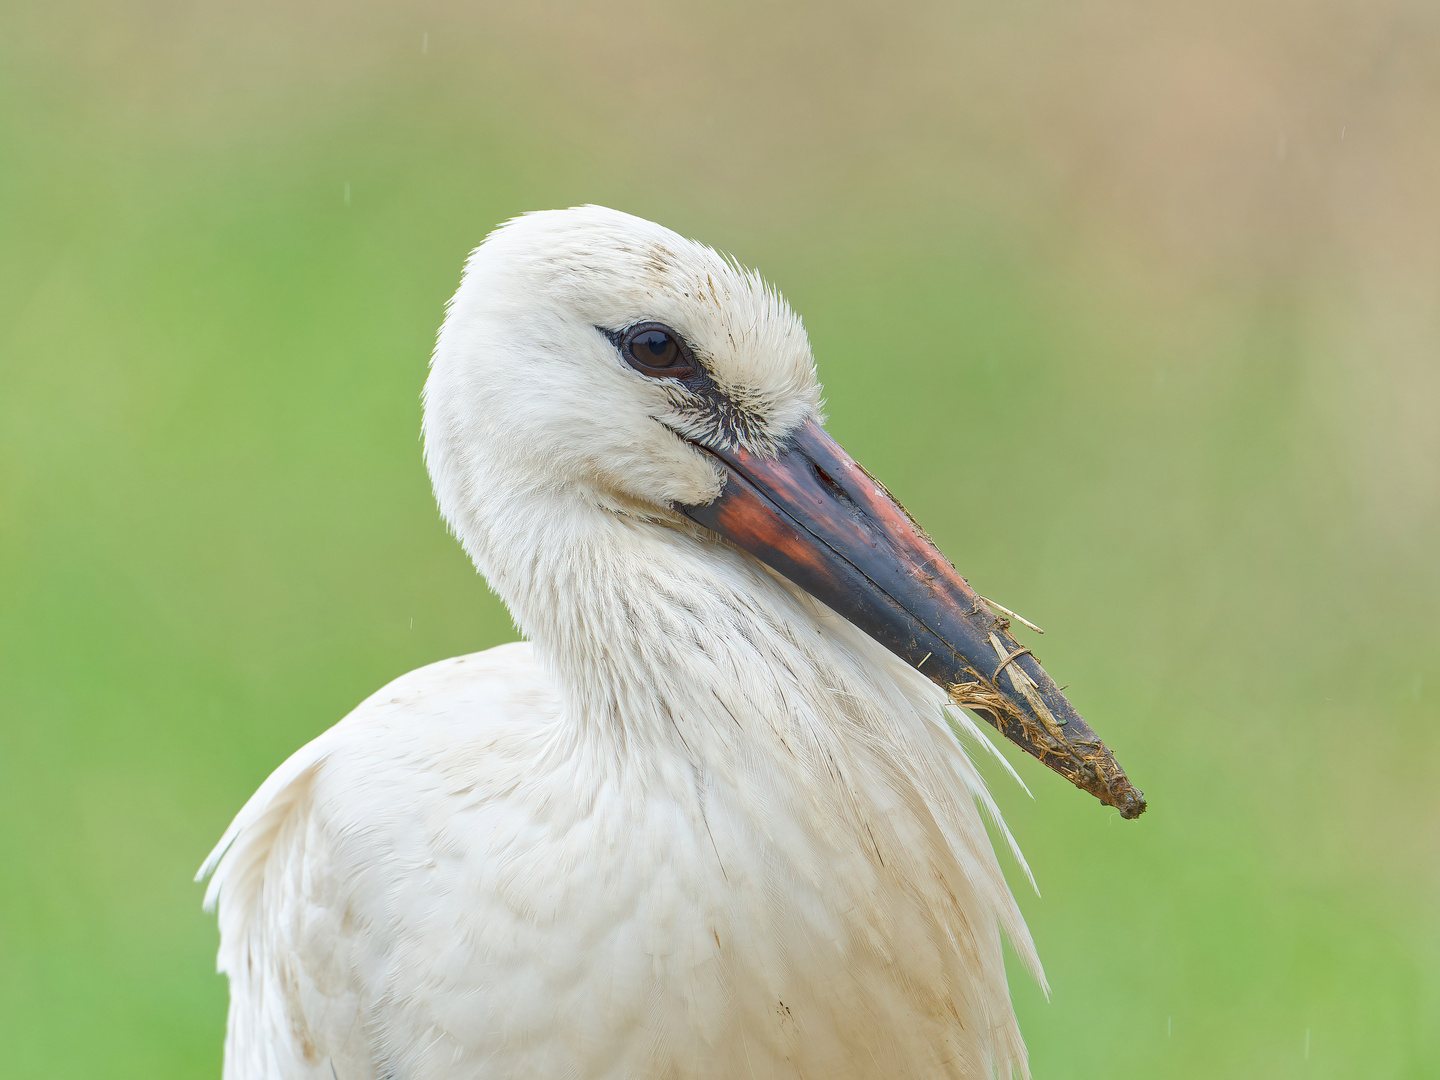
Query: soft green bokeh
{"type": "Point", "coordinates": [1137, 309]}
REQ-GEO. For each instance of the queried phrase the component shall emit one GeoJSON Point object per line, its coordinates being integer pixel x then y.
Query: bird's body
{"type": "Point", "coordinates": [456, 882]}
{"type": "Point", "coordinates": [699, 825]}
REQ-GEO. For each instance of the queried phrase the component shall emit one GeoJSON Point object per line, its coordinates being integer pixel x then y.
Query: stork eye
{"type": "Point", "coordinates": [654, 348]}
{"type": "Point", "coordinates": [657, 351]}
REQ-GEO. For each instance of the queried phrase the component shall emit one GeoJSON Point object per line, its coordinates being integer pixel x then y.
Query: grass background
{"type": "Point", "coordinates": [1136, 306]}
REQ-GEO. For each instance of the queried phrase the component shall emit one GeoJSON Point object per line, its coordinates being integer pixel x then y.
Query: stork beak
{"type": "Point", "coordinates": [816, 517]}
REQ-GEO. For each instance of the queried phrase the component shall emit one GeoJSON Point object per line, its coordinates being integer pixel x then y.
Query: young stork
{"type": "Point", "coordinates": [710, 819]}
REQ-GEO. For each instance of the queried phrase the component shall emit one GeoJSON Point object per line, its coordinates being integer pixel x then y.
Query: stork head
{"type": "Point", "coordinates": [601, 348]}
{"type": "Point", "coordinates": [594, 356]}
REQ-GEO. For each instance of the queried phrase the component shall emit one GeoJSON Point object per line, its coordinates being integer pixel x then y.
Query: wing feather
{"type": "Point", "coordinates": [302, 875]}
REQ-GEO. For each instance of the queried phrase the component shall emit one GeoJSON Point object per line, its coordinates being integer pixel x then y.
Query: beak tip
{"type": "Point", "coordinates": [1113, 788]}
{"type": "Point", "coordinates": [1130, 801]}
{"type": "Point", "coordinates": [1106, 780]}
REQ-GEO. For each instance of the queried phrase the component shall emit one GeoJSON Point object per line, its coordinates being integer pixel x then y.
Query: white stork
{"type": "Point", "coordinates": [710, 819]}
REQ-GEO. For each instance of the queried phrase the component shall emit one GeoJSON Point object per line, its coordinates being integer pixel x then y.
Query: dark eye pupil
{"type": "Point", "coordinates": [654, 348]}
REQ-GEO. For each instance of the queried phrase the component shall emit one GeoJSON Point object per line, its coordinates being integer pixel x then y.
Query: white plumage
{"type": "Point", "coordinates": [698, 825]}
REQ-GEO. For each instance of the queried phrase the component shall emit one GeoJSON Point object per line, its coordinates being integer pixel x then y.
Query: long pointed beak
{"type": "Point", "coordinates": [816, 517]}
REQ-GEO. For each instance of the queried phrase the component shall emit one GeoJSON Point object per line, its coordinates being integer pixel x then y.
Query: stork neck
{"type": "Point", "coordinates": [656, 634]}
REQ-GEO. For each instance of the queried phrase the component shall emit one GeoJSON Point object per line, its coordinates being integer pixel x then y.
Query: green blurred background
{"type": "Point", "coordinates": [1136, 305]}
